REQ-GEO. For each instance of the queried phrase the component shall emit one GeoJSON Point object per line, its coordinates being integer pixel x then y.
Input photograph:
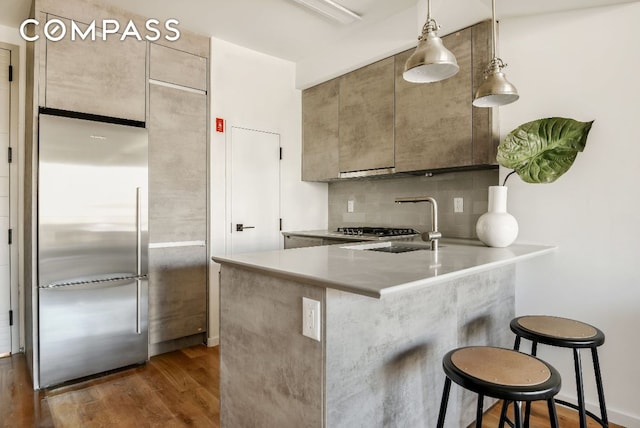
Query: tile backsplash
{"type": "Point", "coordinates": [373, 202]}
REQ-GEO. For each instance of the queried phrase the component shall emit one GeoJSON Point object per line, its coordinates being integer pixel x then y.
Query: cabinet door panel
{"type": "Point", "coordinates": [320, 132]}
{"type": "Point", "coordinates": [366, 117]}
{"type": "Point", "coordinates": [177, 165]}
{"type": "Point", "coordinates": [177, 67]}
{"type": "Point", "coordinates": [433, 121]}
{"type": "Point", "coordinates": [177, 292]}
{"type": "Point", "coordinates": [106, 78]}
{"type": "Point", "coordinates": [485, 129]}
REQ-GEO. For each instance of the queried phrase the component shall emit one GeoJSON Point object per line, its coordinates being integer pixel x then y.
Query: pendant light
{"type": "Point", "coordinates": [431, 62]}
{"type": "Point", "coordinates": [495, 90]}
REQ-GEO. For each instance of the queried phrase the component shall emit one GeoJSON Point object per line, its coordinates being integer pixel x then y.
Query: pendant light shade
{"type": "Point", "coordinates": [496, 90]}
{"type": "Point", "coordinates": [431, 62]}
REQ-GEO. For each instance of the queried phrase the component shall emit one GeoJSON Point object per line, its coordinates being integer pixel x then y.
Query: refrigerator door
{"type": "Point", "coordinates": [91, 202]}
{"type": "Point", "coordinates": [91, 328]}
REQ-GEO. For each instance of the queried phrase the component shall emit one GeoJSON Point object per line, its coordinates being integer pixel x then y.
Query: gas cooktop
{"type": "Point", "coordinates": [377, 231]}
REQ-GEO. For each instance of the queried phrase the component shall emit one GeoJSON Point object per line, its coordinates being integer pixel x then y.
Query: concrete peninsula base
{"type": "Point", "coordinates": [379, 363]}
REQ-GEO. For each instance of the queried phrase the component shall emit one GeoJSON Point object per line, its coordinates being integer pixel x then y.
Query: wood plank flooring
{"type": "Point", "coordinates": [567, 418]}
{"type": "Point", "coordinates": [178, 389]}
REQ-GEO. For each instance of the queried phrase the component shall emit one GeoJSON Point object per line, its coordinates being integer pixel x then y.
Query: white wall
{"type": "Point", "coordinates": [257, 91]}
{"type": "Point", "coordinates": [583, 65]}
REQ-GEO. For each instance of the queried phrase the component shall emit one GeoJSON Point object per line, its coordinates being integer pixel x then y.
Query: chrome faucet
{"type": "Point", "coordinates": [433, 235]}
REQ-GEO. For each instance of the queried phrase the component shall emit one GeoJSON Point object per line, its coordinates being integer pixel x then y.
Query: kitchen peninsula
{"type": "Point", "coordinates": [386, 320]}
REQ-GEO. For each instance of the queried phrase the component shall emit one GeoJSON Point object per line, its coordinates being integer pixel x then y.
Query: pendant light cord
{"type": "Point", "coordinates": [494, 37]}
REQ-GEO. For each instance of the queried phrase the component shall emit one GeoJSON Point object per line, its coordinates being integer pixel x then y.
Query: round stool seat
{"type": "Point", "coordinates": [557, 331]}
{"type": "Point", "coordinates": [501, 373]}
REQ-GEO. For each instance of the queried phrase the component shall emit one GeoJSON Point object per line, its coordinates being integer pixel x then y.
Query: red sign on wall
{"type": "Point", "coordinates": [219, 124]}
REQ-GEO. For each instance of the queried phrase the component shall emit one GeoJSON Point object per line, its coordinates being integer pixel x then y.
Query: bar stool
{"type": "Point", "coordinates": [500, 373]}
{"type": "Point", "coordinates": [565, 333]}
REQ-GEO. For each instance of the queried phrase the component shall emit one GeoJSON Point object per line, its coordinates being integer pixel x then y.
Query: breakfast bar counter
{"type": "Point", "coordinates": [367, 269]}
{"type": "Point", "coordinates": [386, 319]}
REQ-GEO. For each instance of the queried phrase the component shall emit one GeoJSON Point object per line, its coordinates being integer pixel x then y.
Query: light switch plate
{"type": "Point", "coordinates": [350, 206]}
{"type": "Point", "coordinates": [311, 318]}
{"type": "Point", "coordinates": [458, 205]}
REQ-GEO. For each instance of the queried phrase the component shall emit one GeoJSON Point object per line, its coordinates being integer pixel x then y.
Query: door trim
{"type": "Point", "coordinates": [228, 184]}
{"type": "Point", "coordinates": [16, 202]}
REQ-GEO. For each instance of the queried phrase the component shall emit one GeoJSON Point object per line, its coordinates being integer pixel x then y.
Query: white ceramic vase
{"type": "Point", "coordinates": [496, 227]}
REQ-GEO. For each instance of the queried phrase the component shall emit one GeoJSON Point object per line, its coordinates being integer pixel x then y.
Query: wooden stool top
{"type": "Point", "coordinates": [557, 331]}
{"type": "Point", "coordinates": [500, 366]}
{"type": "Point", "coordinates": [558, 327]}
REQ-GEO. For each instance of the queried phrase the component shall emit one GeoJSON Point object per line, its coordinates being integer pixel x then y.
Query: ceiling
{"type": "Point", "coordinates": [287, 30]}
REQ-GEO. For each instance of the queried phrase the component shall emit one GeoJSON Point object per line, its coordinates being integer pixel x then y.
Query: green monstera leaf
{"type": "Point", "coordinates": [543, 150]}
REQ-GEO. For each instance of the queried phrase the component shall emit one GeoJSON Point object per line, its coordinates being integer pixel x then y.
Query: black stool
{"type": "Point", "coordinates": [565, 333]}
{"type": "Point", "coordinates": [500, 373]}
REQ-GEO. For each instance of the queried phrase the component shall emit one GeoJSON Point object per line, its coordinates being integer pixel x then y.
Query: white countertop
{"type": "Point", "coordinates": [375, 274]}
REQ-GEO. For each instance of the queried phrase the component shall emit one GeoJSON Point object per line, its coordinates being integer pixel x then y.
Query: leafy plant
{"type": "Point", "coordinates": [543, 150]}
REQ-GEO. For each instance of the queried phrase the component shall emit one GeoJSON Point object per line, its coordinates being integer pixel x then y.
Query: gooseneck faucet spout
{"type": "Point", "coordinates": [433, 236]}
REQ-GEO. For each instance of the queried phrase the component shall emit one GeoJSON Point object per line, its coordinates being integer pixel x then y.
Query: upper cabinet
{"type": "Point", "coordinates": [320, 132]}
{"type": "Point", "coordinates": [181, 68]}
{"type": "Point", "coordinates": [433, 121]}
{"type": "Point", "coordinates": [106, 78]}
{"type": "Point", "coordinates": [366, 117]}
{"type": "Point", "coordinates": [436, 125]}
{"type": "Point", "coordinates": [388, 125]}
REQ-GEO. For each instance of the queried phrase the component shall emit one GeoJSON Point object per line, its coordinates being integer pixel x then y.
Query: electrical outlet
{"type": "Point", "coordinates": [311, 318]}
{"type": "Point", "coordinates": [350, 206]}
{"type": "Point", "coordinates": [458, 205]}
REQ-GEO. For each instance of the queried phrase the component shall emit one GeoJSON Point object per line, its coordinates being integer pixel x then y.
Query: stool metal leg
{"type": "Point", "coordinates": [596, 368]}
{"type": "Point", "coordinates": [503, 413]}
{"type": "Point", "coordinates": [580, 388]}
{"type": "Point", "coordinates": [527, 413]}
{"type": "Point", "coordinates": [553, 415]}
{"type": "Point", "coordinates": [444, 402]}
{"type": "Point", "coordinates": [527, 409]}
{"type": "Point", "coordinates": [479, 411]}
{"type": "Point", "coordinates": [517, 414]}
{"type": "Point", "coordinates": [516, 345]}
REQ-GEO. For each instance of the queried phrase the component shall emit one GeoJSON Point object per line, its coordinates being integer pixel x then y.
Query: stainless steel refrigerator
{"type": "Point", "coordinates": [92, 247]}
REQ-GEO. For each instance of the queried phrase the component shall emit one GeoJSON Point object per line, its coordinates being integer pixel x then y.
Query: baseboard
{"type": "Point", "coordinates": [213, 341]}
{"type": "Point", "coordinates": [617, 417]}
{"type": "Point", "coordinates": [175, 344]}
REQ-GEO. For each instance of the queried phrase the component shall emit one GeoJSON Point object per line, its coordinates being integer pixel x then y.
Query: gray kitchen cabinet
{"type": "Point", "coordinates": [177, 165]}
{"type": "Point", "coordinates": [105, 78]}
{"type": "Point", "coordinates": [320, 132]}
{"type": "Point", "coordinates": [393, 126]}
{"type": "Point", "coordinates": [178, 297]}
{"type": "Point", "coordinates": [436, 126]}
{"type": "Point", "coordinates": [177, 216]}
{"type": "Point", "coordinates": [177, 67]}
{"type": "Point", "coordinates": [366, 117]}
{"type": "Point", "coordinates": [293, 241]}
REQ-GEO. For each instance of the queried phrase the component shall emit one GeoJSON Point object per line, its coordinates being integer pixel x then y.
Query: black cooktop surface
{"type": "Point", "coordinates": [376, 231]}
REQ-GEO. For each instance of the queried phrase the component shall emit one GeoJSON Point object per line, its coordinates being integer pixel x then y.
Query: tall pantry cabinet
{"type": "Point", "coordinates": [165, 86]}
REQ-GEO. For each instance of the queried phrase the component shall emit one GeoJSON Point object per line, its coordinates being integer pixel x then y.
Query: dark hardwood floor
{"type": "Point", "coordinates": [178, 389]}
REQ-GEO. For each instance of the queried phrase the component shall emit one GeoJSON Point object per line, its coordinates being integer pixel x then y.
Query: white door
{"type": "Point", "coordinates": [5, 253]}
{"type": "Point", "coordinates": [253, 191]}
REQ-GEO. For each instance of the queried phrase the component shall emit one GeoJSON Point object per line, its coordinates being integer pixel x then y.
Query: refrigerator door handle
{"type": "Point", "coordinates": [138, 307]}
{"type": "Point", "coordinates": [138, 256]}
{"type": "Point", "coordinates": [138, 231]}
{"type": "Point", "coordinates": [94, 281]}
